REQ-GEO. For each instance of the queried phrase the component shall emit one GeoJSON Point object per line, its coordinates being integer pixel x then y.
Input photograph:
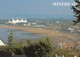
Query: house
{"type": "Point", "coordinates": [1, 43]}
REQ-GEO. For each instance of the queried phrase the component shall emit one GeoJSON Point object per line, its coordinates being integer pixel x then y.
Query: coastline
{"type": "Point", "coordinates": [39, 31]}
{"type": "Point", "coordinates": [55, 37]}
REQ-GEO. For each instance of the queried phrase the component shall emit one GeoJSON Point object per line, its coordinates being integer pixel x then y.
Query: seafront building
{"type": "Point", "coordinates": [16, 21]}
{"type": "Point", "coordinates": [24, 22]}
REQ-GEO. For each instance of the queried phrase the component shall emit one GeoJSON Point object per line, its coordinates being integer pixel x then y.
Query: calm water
{"type": "Point", "coordinates": [17, 34]}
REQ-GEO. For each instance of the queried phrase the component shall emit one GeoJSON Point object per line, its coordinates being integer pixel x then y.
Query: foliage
{"type": "Point", "coordinates": [17, 49]}
{"type": "Point", "coordinates": [39, 49]}
{"type": "Point", "coordinates": [65, 52]}
{"type": "Point", "coordinates": [10, 38]}
{"type": "Point", "coordinates": [76, 10]}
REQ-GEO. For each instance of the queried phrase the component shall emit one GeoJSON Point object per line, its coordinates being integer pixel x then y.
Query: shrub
{"type": "Point", "coordinates": [17, 49]}
{"type": "Point", "coordinates": [40, 49]}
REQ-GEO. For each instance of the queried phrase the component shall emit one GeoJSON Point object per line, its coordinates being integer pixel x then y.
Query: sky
{"type": "Point", "coordinates": [34, 9]}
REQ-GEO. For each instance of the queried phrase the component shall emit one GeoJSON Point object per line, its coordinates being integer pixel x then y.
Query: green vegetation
{"type": "Point", "coordinates": [40, 48]}
{"type": "Point", "coordinates": [76, 10]}
{"type": "Point", "coordinates": [10, 41]}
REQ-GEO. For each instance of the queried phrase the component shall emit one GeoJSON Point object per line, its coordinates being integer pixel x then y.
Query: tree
{"type": "Point", "coordinates": [40, 49]}
{"type": "Point", "coordinates": [10, 40]}
{"type": "Point", "coordinates": [76, 10]}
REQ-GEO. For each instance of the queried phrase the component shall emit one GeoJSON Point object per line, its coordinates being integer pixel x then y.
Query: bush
{"type": "Point", "coordinates": [65, 52]}
{"type": "Point", "coordinates": [17, 49]}
{"type": "Point", "coordinates": [40, 49]}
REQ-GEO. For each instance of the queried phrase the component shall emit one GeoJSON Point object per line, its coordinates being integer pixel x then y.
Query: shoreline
{"type": "Point", "coordinates": [39, 31]}
{"type": "Point", "coordinates": [55, 37]}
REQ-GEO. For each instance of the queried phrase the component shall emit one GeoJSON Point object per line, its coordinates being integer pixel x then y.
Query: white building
{"type": "Point", "coordinates": [15, 21]}
{"type": "Point", "coordinates": [71, 30]}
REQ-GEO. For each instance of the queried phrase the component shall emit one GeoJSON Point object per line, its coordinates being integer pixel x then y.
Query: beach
{"type": "Point", "coordinates": [39, 31]}
{"type": "Point", "coordinates": [54, 36]}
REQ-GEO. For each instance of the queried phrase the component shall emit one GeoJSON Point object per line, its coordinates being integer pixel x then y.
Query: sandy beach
{"type": "Point", "coordinates": [55, 37]}
{"type": "Point", "coordinates": [39, 31]}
